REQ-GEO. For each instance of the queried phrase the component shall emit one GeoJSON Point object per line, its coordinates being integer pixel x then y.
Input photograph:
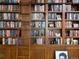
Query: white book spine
{"type": "Point", "coordinates": [39, 41]}
{"type": "Point", "coordinates": [9, 41]}
{"type": "Point", "coordinates": [3, 41]}
{"type": "Point", "coordinates": [17, 16]}
{"type": "Point", "coordinates": [14, 41]}
{"type": "Point", "coordinates": [5, 16]}
{"type": "Point", "coordinates": [35, 9]}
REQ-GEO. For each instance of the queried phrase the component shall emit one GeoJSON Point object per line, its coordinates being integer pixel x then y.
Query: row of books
{"type": "Point", "coordinates": [70, 24]}
{"type": "Point", "coordinates": [75, 1]}
{"type": "Point", "coordinates": [58, 1]}
{"type": "Point", "coordinates": [38, 8]}
{"type": "Point", "coordinates": [55, 7]}
{"type": "Point", "coordinates": [9, 8]}
{"type": "Point", "coordinates": [54, 24]}
{"type": "Point", "coordinates": [72, 33]}
{"type": "Point", "coordinates": [54, 33]}
{"type": "Point", "coordinates": [55, 1]}
{"type": "Point", "coordinates": [8, 33]}
{"type": "Point", "coordinates": [39, 40]}
{"type": "Point", "coordinates": [38, 32]}
{"type": "Point", "coordinates": [9, 1]}
{"type": "Point", "coordinates": [72, 16]}
{"type": "Point", "coordinates": [70, 41]}
{"type": "Point", "coordinates": [38, 16]}
{"type": "Point", "coordinates": [38, 24]}
{"type": "Point", "coordinates": [71, 8]}
{"type": "Point", "coordinates": [9, 16]}
{"type": "Point", "coordinates": [11, 24]}
{"type": "Point", "coordinates": [54, 16]}
{"type": "Point", "coordinates": [55, 41]}
{"type": "Point", "coordinates": [8, 41]}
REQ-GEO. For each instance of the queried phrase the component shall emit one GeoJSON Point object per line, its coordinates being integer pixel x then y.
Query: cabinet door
{"type": "Point", "coordinates": [13, 54]}
{"type": "Point", "coordinates": [4, 52]}
{"type": "Point", "coordinates": [37, 53]}
{"type": "Point", "coordinates": [23, 57]}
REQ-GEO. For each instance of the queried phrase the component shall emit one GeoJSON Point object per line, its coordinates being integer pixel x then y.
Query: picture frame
{"type": "Point", "coordinates": [61, 54]}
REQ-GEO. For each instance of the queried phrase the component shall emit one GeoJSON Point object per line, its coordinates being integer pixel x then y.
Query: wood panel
{"type": "Point", "coordinates": [50, 51]}
{"type": "Point", "coordinates": [13, 52]}
{"type": "Point", "coordinates": [37, 52]}
{"type": "Point", "coordinates": [25, 17]}
{"type": "Point", "coordinates": [23, 57]}
{"type": "Point", "coordinates": [23, 51]}
{"type": "Point", "coordinates": [25, 9]}
{"type": "Point", "coordinates": [25, 1]}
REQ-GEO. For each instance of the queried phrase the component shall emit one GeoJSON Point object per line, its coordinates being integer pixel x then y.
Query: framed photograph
{"type": "Point", "coordinates": [61, 54]}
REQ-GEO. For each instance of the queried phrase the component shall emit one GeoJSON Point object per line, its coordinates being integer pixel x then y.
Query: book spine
{"type": "Point", "coordinates": [3, 41]}
{"type": "Point", "coordinates": [9, 41]}
{"type": "Point", "coordinates": [14, 41]}
{"type": "Point", "coordinates": [7, 33]}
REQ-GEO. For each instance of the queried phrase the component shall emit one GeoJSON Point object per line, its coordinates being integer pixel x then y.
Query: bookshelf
{"type": "Point", "coordinates": [50, 18]}
{"type": "Point", "coordinates": [41, 27]}
{"type": "Point", "coordinates": [10, 28]}
{"type": "Point", "coordinates": [57, 29]}
{"type": "Point", "coordinates": [10, 23]}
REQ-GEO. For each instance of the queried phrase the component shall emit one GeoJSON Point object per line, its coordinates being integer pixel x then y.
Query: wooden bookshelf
{"type": "Point", "coordinates": [44, 26]}
{"type": "Point", "coordinates": [61, 23]}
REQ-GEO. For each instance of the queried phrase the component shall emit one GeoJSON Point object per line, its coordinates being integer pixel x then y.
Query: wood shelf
{"type": "Point", "coordinates": [9, 20]}
{"type": "Point", "coordinates": [53, 37]}
{"type": "Point", "coordinates": [38, 12]}
{"type": "Point", "coordinates": [38, 28]}
{"type": "Point", "coordinates": [73, 28]}
{"type": "Point", "coordinates": [73, 20]}
{"type": "Point", "coordinates": [38, 20]}
{"type": "Point", "coordinates": [72, 11]}
{"type": "Point", "coordinates": [38, 3]}
{"type": "Point", "coordinates": [52, 20]}
{"type": "Point", "coordinates": [54, 28]}
{"type": "Point", "coordinates": [54, 11]}
{"type": "Point", "coordinates": [9, 28]}
{"type": "Point", "coordinates": [6, 3]}
{"type": "Point", "coordinates": [9, 11]}
{"type": "Point", "coordinates": [8, 36]}
{"type": "Point", "coordinates": [55, 3]}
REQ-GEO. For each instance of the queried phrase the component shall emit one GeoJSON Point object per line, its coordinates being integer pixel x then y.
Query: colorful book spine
{"type": "Point", "coordinates": [7, 33]}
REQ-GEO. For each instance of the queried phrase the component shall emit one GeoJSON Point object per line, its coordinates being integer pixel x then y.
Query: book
{"type": "Point", "coordinates": [58, 17]}
{"type": "Point", "coordinates": [69, 24]}
{"type": "Point", "coordinates": [39, 40]}
{"type": "Point", "coordinates": [75, 1]}
{"type": "Point", "coordinates": [58, 24]}
{"type": "Point", "coordinates": [3, 41]}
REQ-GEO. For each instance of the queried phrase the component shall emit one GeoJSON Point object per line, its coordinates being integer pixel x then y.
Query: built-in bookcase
{"type": "Point", "coordinates": [10, 23]}
{"type": "Point", "coordinates": [55, 22]}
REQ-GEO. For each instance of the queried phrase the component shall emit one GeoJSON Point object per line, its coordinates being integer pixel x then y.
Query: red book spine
{"type": "Point", "coordinates": [11, 8]}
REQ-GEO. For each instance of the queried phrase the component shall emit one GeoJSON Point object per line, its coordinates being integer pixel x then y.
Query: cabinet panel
{"type": "Point", "coordinates": [13, 52]}
{"type": "Point", "coordinates": [37, 53]}
{"type": "Point", "coordinates": [23, 57]}
{"type": "Point", "coordinates": [23, 51]}
{"type": "Point", "coordinates": [25, 9]}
